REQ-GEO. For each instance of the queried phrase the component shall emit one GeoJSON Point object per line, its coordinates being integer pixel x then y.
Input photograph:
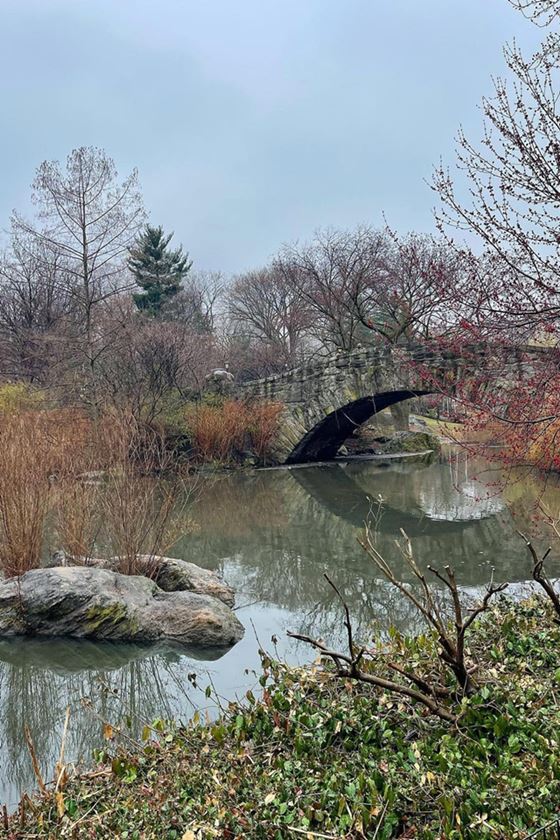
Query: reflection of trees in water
{"type": "Point", "coordinates": [451, 489]}
{"type": "Point", "coordinates": [528, 497]}
{"type": "Point", "coordinates": [312, 528]}
{"type": "Point", "coordinates": [39, 680]}
{"type": "Point", "coordinates": [236, 507]}
{"type": "Point", "coordinates": [231, 509]}
{"type": "Point", "coordinates": [375, 606]}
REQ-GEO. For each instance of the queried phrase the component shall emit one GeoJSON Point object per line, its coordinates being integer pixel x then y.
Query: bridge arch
{"type": "Point", "coordinates": [324, 439]}
{"type": "Point", "coordinates": [324, 400]}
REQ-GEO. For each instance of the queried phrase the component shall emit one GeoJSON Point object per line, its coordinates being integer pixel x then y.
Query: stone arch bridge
{"type": "Point", "coordinates": [326, 400]}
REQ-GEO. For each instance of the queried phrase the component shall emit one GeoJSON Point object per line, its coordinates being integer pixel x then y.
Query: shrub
{"type": "Point", "coordinates": [25, 488]}
{"type": "Point", "coordinates": [263, 430]}
{"type": "Point", "coordinates": [58, 466]}
{"type": "Point", "coordinates": [77, 519]}
{"type": "Point", "coordinates": [42, 453]}
{"type": "Point", "coordinates": [143, 514]}
{"type": "Point", "coordinates": [19, 396]}
{"type": "Point", "coordinates": [222, 431]}
{"type": "Point", "coordinates": [217, 431]}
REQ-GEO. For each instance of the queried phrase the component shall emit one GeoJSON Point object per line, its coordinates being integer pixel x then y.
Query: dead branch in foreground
{"type": "Point", "coordinates": [347, 666]}
{"type": "Point", "coordinates": [451, 636]}
{"type": "Point", "coordinates": [540, 576]}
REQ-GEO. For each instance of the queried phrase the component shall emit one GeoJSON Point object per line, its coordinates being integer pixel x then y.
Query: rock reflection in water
{"type": "Point", "coordinates": [40, 678]}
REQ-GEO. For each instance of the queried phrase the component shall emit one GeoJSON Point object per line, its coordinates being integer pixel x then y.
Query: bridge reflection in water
{"type": "Point", "coordinates": [273, 534]}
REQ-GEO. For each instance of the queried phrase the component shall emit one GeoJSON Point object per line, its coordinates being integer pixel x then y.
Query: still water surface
{"type": "Point", "coordinates": [272, 534]}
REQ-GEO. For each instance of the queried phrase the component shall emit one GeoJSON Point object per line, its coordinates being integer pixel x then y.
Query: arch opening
{"type": "Point", "coordinates": [322, 442]}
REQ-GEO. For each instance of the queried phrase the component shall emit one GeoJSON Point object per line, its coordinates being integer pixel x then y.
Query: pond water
{"type": "Point", "coordinates": [272, 534]}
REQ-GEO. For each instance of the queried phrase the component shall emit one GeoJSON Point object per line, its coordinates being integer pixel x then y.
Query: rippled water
{"type": "Point", "coordinates": [273, 534]}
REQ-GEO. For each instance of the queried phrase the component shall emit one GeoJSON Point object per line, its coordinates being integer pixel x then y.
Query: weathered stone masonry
{"type": "Point", "coordinates": [325, 400]}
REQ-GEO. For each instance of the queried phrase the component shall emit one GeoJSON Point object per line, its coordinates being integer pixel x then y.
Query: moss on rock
{"type": "Point", "coordinates": [103, 616]}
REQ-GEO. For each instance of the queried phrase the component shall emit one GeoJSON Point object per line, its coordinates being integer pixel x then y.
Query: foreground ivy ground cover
{"type": "Point", "coordinates": [318, 757]}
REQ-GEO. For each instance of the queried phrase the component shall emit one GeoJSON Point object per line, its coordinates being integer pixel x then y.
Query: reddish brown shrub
{"type": "Point", "coordinates": [222, 432]}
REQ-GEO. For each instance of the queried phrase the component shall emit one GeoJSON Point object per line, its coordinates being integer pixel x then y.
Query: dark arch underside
{"type": "Point", "coordinates": [323, 441]}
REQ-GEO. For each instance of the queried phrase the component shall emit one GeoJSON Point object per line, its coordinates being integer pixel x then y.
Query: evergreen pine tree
{"type": "Point", "coordinates": [158, 269]}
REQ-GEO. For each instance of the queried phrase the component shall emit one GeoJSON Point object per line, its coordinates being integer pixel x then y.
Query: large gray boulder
{"type": "Point", "coordinates": [170, 573]}
{"type": "Point", "coordinates": [86, 602]}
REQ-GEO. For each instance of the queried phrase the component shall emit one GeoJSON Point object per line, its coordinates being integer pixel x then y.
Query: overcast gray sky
{"type": "Point", "coordinates": [251, 122]}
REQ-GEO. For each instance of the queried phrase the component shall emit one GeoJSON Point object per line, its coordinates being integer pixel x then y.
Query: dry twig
{"type": "Point", "coordinates": [540, 576]}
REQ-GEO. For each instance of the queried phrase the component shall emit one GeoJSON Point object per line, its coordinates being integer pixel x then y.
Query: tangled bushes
{"type": "Point", "coordinates": [49, 455]}
{"type": "Point", "coordinates": [93, 484]}
{"type": "Point", "coordinates": [25, 466]}
{"type": "Point", "coordinates": [36, 449]}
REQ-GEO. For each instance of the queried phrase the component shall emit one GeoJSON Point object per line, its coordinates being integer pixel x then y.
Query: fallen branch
{"type": "Point", "coordinates": [452, 652]}
{"type": "Point", "coordinates": [355, 673]}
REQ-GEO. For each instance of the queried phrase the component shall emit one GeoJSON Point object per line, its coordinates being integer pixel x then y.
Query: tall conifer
{"type": "Point", "coordinates": [158, 269]}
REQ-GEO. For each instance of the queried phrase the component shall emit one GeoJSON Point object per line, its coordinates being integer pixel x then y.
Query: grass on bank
{"type": "Point", "coordinates": [225, 430]}
{"type": "Point", "coordinates": [316, 757]}
{"type": "Point", "coordinates": [70, 482]}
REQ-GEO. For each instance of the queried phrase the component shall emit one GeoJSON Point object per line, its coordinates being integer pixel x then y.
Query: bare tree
{"type": "Point", "coordinates": [266, 309]}
{"type": "Point", "coordinates": [451, 637]}
{"type": "Point", "coordinates": [198, 303]}
{"type": "Point", "coordinates": [87, 219]}
{"type": "Point", "coordinates": [367, 283]}
{"type": "Point", "coordinates": [409, 296]}
{"type": "Point", "coordinates": [359, 664]}
{"type": "Point", "coordinates": [247, 358]}
{"type": "Point", "coordinates": [150, 367]}
{"type": "Point", "coordinates": [514, 205]}
{"type": "Point", "coordinates": [333, 276]}
{"type": "Point", "coordinates": [540, 576]}
{"type": "Point", "coordinates": [34, 308]}
{"type": "Point", "coordinates": [541, 12]}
